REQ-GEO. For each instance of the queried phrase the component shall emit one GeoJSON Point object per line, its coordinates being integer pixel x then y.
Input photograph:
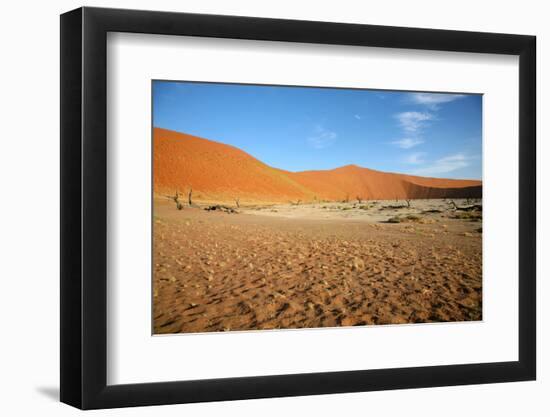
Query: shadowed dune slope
{"type": "Point", "coordinates": [353, 181]}
{"type": "Point", "coordinates": [217, 171]}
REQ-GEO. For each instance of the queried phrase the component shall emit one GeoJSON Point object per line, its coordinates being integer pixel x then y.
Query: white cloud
{"type": "Point", "coordinates": [446, 164]}
{"type": "Point", "coordinates": [357, 116]}
{"type": "Point", "coordinates": [413, 121]}
{"type": "Point", "coordinates": [407, 143]}
{"type": "Point", "coordinates": [434, 100]}
{"type": "Point", "coordinates": [415, 158]}
{"type": "Point", "coordinates": [323, 138]}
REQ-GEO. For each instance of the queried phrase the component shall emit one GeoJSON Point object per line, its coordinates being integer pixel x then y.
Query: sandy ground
{"type": "Point", "coordinates": [315, 265]}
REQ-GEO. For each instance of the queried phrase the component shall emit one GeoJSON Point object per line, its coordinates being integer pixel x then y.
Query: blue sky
{"type": "Point", "coordinates": [302, 128]}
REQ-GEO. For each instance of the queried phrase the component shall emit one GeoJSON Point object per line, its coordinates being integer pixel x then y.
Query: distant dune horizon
{"type": "Point", "coordinates": [217, 171]}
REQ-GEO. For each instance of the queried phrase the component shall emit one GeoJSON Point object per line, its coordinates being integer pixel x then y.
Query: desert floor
{"type": "Point", "coordinates": [315, 265]}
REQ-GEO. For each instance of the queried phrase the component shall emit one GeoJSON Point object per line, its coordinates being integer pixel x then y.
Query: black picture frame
{"type": "Point", "coordinates": [84, 207]}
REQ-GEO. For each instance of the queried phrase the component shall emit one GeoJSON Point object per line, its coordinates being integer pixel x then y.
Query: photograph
{"type": "Point", "coordinates": [280, 204]}
{"type": "Point", "coordinates": [288, 207]}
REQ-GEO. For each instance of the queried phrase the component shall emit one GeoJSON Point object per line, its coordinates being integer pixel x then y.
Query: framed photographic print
{"type": "Point", "coordinates": [257, 208]}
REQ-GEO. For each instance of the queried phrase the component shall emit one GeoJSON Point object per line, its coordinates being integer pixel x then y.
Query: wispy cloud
{"type": "Point", "coordinates": [434, 100]}
{"type": "Point", "coordinates": [357, 116]}
{"type": "Point", "coordinates": [323, 138]}
{"type": "Point", "coordinates": [415, 158]}
{"type": "Point", "coordinates": [413, 121]}
{"type": "Point", "coordinates": [446, 164]}
{"type": "Point", "coordinates": [407, 143]}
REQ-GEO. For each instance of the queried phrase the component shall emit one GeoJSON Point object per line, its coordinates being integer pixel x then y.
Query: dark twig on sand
{"type": "Point", "coordinates": [473, 207]}
{"type": "Point", "coordinates": [219, 207]}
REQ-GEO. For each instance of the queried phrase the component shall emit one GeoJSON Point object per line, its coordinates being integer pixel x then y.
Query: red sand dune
{"type": "Point", "coordinates": [217, 171]}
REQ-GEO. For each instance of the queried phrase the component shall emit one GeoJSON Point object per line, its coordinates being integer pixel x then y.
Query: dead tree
{"type": "Point", "coordinates": [346, 200]}
{"type": "Point", "coordinates": [176, 198]}
{"type": "Point", "coordinates": [359, 199]}
{"type": "Point", "coordinates": [408, 203]}
{"type": "Point", "coordinates": [237, 202]}
{"type": "Point", "coordinates": [190, 196]}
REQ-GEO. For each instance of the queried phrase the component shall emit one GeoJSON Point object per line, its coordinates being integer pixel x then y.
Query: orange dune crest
{"type": "Point", "coordinates": [216, 171]}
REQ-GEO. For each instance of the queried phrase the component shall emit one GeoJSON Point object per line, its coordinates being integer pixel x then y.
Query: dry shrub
{"type": "Point", "coordinates": [409, 218]}
{"type": "Point", "coordinates": [472, 216]}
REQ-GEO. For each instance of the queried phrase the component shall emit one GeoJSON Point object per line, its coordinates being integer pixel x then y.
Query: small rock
{"type": "Point", "coordinates": [347, 321]}
{"type": "Point", "coordinates": [357, 264]}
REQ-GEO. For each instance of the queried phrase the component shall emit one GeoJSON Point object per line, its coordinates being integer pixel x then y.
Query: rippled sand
{"type": "Point", "coordinates": [317, 265]}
